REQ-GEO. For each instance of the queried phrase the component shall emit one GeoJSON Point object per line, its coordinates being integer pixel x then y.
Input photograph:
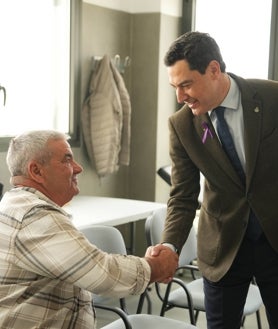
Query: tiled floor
{"type": "Point", "coordinates": [105, 317]}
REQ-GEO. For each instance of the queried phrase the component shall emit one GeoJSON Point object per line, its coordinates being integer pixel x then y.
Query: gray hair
{"type": "Point", "coordinates": [30, 146]}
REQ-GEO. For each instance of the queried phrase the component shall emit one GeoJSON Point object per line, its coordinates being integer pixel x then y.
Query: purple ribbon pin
{"type": "Point", "coordinates": [207, 132]}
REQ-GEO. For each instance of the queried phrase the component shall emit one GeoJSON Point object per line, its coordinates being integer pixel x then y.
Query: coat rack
{"type": "Point", "coordinates": [121, 64]}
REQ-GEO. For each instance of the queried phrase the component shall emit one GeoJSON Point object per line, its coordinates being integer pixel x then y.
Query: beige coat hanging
{"type": "Point", "coordinates": [106, 117]}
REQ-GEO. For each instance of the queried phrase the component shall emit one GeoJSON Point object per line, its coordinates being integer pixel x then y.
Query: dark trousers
{"type": "Point", "coordinates": [224, 300]}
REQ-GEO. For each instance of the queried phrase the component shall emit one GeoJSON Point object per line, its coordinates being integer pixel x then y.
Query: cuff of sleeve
{"type": "Point", "coordinates": [171, 246]}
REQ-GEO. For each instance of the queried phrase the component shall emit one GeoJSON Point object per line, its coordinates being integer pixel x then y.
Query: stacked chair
{"type": "Point", "coordinates": [110, 239]}
{"type": "Point", "coordinates": [178, 291]}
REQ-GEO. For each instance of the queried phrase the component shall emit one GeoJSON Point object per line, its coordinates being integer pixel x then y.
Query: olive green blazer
{"type": "Point", "coordinates": [226, 202]}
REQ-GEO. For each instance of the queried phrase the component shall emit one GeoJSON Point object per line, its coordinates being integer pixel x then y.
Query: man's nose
{"type": "Point", "coordinates": [77, 168]}
{"type": "Point", "coordinates": [181, 95]}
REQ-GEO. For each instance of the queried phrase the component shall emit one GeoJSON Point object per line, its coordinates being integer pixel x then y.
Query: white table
{"type": "Point", "coordinates": [93, 210]}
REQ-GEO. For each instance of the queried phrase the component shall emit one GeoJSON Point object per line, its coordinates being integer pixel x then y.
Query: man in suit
{"type": "Point", "coordinates": [238, 223]}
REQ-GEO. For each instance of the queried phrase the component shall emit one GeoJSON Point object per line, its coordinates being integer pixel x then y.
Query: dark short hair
{"type": "Point", "coordinates": [197, 48]}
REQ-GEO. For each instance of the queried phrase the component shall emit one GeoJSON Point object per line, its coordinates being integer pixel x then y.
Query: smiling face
{"type": "Point", "coordinates": [201, 92]}
{"type": "Point", "coordinates": [58, 177]}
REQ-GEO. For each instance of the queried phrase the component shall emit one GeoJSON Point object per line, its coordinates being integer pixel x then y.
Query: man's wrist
{"type": "Point", "coordinates": [153, 268]}
{"type": "Point", "coordinates": [171, 246]}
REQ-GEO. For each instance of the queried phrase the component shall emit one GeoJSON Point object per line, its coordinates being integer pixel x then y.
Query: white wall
{"type": "Point", "coordinates": [168, 7]}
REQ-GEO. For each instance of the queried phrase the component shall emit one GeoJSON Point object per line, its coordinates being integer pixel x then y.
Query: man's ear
{"type": "Point", "coordinates": [35, 171]}
{"type": "Point", "coordinates": [214, 68]}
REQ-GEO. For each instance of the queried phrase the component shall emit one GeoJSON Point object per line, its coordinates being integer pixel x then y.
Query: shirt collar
{"type": "Point", "coordinates": [232, 100]}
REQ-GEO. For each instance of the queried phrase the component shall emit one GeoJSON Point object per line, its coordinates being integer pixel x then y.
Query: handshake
{"type": "Point", "coordinates": [163, 262]}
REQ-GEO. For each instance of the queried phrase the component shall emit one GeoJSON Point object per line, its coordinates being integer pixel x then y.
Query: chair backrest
{"type": "Point", "coordinates": [1, 190]}
{"type": "Point", "coordinates": [154, 227]}
{"type": "Point", "coordinates": [110, 240]}
{"type": "Point", "coordinates": [106, 238]}
{"type": "Point", "coordinates": [189, 250]}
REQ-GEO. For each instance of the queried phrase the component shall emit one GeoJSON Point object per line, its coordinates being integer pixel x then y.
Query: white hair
{"type": "Point", "coordinates": [29, 146]}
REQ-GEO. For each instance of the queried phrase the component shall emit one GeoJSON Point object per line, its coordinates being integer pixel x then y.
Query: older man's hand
{"type": "Point", "coordinates": [163, 262]}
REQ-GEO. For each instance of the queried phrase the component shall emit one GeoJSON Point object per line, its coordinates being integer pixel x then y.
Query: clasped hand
{"type": "Point", "coordinates": [163, 262]}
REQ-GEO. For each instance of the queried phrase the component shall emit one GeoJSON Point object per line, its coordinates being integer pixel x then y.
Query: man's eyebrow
{"type": "Point", "coordinates": [184, 82]}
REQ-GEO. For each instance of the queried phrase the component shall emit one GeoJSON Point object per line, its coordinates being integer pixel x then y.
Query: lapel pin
{"type": "Point", "coordinates": [207, 132]}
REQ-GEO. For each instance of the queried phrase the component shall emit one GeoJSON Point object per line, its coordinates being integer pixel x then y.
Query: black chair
{"type": "Point", "coordinates": [165, 173]}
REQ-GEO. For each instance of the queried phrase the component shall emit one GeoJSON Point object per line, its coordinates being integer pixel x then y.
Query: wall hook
{"type": "Point", "coordinates": [121, 65]}
{"type": "Point", "coordinates": [4, 92]}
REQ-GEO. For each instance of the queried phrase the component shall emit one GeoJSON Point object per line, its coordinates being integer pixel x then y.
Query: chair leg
{"type": "Point", "coordinates": [141, 303]}
{"type": "Point", "coordinates": [196, 316]}
{"type": "Point", "coordinates": [149, 303]}
{"type": "Point", "coordinates": [259, 319]}
{"type": "Point", "coordinates": [259, 322]}
{"type": "Point", "coordinates": [189, 299]}
{"type": "Point", "coordinates": [165, 300]}
{"type": "Point", "coordinates": [144, 295]}
{"type": "Point", "coordinates": [123, 305]}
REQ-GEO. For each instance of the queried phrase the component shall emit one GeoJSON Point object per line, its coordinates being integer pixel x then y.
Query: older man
{"type": "Point", "coordinates": [48, 269]}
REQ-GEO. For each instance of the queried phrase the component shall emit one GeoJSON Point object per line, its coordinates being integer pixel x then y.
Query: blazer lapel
{"type": "Point", "coordinates": [213, 146]}
{"type": "Point", "coordinates": [252, 115]}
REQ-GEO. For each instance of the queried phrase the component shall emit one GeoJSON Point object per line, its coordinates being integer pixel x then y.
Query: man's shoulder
{"type": "Point", "coordinates": [254, 82]}
{"type": "Point", "coordinates": [19, 202]}
{"type": "Point", "coordinates": [183, 112]}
